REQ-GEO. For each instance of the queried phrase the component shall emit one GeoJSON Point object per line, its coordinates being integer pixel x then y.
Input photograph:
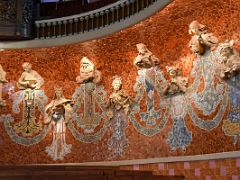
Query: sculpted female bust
{"type": "Point", "coordinates": [231, 60]}
{"type": "Point", "coordinates": [29, 79]}
{"type": "Point", "coordinates": [119, 99]}
{"type": "Point", "coordinates": [177, 84]}
{"type": "Point", "coordinates": [201, 38]}
{"type": "Point", "coordinates": [145, 58]}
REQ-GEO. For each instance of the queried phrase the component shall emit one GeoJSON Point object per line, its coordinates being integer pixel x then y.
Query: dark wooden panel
{"type": "Point", "coordinates": [16, 19]}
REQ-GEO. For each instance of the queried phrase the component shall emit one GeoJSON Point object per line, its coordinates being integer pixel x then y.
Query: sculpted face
{"type": "Point", "coordinates": [226, 49]}
{"type": "Point", "coordinates": [172, 71]}
{"type": "Point", "coordinates": [58, 94]}
{"type": "Point", "coordinates": [86, 69]}
{"type": "Point", "coordinates": [226, 52]}
{"type": "Point", "coordinates": [145, 58]}
{"type": "Point", "coordinates": [117, 84]}
{"type": "Point", "coordinates": [231, 60]}
{"type": "Point", "coordinates": [142, 49]}
{"type": "Point", "coordinates": [27, 67]}
{"type": "Point", "coordinates": [86, 65]}
{"type": "Point", "coordinates": [196, 28]}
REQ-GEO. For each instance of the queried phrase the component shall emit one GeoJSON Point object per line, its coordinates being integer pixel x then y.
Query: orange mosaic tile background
{"type": "Point", "coordinates": [166, 35]}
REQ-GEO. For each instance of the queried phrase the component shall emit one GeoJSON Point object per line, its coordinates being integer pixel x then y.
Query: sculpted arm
{"type": "Point", "coordinates": [79, 79]}
{"type": "Point", "coordinates": [22, 82]}
{"type": "Point", "coordinates": [108, 103]}
{"type": "Point", "coordinates": [2, 75]}
{"type": "Point", "coordinates": [48, 113]}
{"type": "Point", "coordinates": [40, 80]}
{"type": "Point", "coordinates": [68, 112]}
{"type": "Point", "coordinates": [166, 88]}
{"type": "Point", "coordinates": [155, 60]}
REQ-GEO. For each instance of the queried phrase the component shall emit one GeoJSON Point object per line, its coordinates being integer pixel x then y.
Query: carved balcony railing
{"type": "Point", "coordinates": [68, 8]}
{"type": "Point", "coordinates": [96, 19]}
{"type": "Point", "coordinates": [87, 26]}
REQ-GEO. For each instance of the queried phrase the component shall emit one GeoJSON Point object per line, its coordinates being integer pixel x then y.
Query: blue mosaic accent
{"type": "Point", "coordinates": [179, 136]}
{"type": "Point", "coordinates": [148, 82]}
{"type": "Point", "coordinates": [118, 141]}
{"type": "Point", "coordinates": [208, 99]}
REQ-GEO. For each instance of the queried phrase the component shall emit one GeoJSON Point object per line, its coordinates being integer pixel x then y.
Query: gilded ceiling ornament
{"type": "Point", "coordinates": [201, 39]}
{"type": "Point", "coordinates": [2, 80]}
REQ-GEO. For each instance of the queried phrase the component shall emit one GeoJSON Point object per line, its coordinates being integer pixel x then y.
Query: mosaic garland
{"type": "Point", "coordinates": [8, 119]}
{"type": "Point", "coordinates": [90, 121]}
{"type": "Point", "coordinates": [149, 81]}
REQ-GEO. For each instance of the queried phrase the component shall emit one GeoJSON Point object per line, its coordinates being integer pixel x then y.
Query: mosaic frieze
{"type": "Point", "coordinates": [7, 121]}
{"type": "Point", "coordinates": [214, 96]}
{"type": "Point", "coordinates": [162, 114]}
{"type": "Point", "coordinates": [118, 140]}
{"type": "Point", "coordinates": [89, 115]}
{"type": "Point", "coordinates": [209, 98]}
